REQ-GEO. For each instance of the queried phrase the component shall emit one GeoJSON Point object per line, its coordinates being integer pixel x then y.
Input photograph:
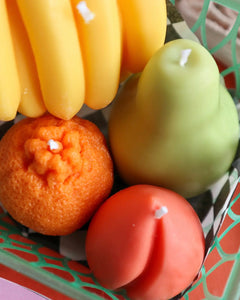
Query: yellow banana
{"type": "Point", "coordinates": [31, 103]}
{"type": "Point", "coordinates": [54, 39]}
{"type": "Point", "coordinates": [9, 82]}
{"type": "Point", "coordinates": [144, 29]}
{"type": "Point", "coordinates": [71, 51]}
{"type": "Point", "coordinates": [99, 31]}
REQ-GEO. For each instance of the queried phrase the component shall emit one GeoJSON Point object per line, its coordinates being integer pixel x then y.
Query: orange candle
{"type": "Point", "coordinates": [148, 240]}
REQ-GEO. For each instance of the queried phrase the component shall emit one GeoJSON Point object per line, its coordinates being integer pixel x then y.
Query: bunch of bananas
{"type": "Point", "coordinates": [56, 55]}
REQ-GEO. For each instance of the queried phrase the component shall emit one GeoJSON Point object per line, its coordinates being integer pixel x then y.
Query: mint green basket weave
{"type": "Point", "coordinates": [71, 278]}
{"type": "Point", "coordinates": [221, 11]}
{"type": "Point", "coordinates": [231, 37]}
{"type": "Point", "coordinates": [232, 289]}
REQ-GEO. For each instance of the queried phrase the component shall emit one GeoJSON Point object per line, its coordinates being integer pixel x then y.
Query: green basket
{"type": "Point", "coordinates": [222, 40]}
{"type": "Point", "coordinates": [33, 256]}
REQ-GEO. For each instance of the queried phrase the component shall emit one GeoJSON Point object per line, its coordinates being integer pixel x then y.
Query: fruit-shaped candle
{"type": "Point", "coordinates": [63, 53]}
{"type": "Point", "coordinates": [9, 81]}
{"type": "Point", "coordinates": [31, 101]}
{"type": "Point", "coordinates": [148, 240]}
{"type": "Point", "coordinates": [54, 173]}
{"type": "Point", "coordinates": [175, 125]}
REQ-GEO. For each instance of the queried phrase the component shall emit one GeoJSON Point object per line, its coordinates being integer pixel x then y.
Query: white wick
{"type": "Point", "coordinates": [52, 144]}
{"type": "Point", "coordinates": [159, 213]}
{"type": "Point", "coordinates": [184, 56]}
{"type": "Point", "coordinates": [85, 12]}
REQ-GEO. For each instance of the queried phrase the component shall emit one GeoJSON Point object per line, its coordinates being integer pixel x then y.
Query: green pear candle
{"type": "Point", "coordinates": [175, 125]}
{"type": "Point", "coordinates": [148, 240]}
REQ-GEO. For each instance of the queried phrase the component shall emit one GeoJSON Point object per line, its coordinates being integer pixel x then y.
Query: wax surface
{"type": "Point", "coordinates": [100, 40]}
{"type": "Point", "coordinates": [175, 125]}
{"type": "Point", "coordinates": [31, 101]}
{"type": "Point", "coordinates": [128, 244]}
{"type": "Point", "coordinates": [89, 48]}
{"type": "Point", "coordinates": [9, 82]}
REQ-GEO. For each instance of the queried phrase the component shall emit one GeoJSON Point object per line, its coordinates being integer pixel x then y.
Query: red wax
{"type": "Point", "coordinates": [148, 240]}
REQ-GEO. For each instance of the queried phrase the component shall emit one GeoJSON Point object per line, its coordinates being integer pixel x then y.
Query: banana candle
{"type": "Point", "coordinates": [9, 81]}
{"type": "Point", "coordinates": [63, 53]}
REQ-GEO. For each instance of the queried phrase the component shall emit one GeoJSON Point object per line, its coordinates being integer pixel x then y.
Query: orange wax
{"type": "Point", "coordinates": [148, 240]}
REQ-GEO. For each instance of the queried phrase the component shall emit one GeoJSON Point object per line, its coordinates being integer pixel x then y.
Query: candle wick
{"type": "Point", "coordinates": [159, 213]}
{"type": "Point", "coordinates": [52, 144]}
{"type": "Point", "coordinates": [85, 12]}
{"type": "Point", "coordinates": [184, 56]}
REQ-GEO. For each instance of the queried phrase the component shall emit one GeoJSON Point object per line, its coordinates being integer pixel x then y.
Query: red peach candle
{"type": "Point", "coordinates": [148, 240]}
